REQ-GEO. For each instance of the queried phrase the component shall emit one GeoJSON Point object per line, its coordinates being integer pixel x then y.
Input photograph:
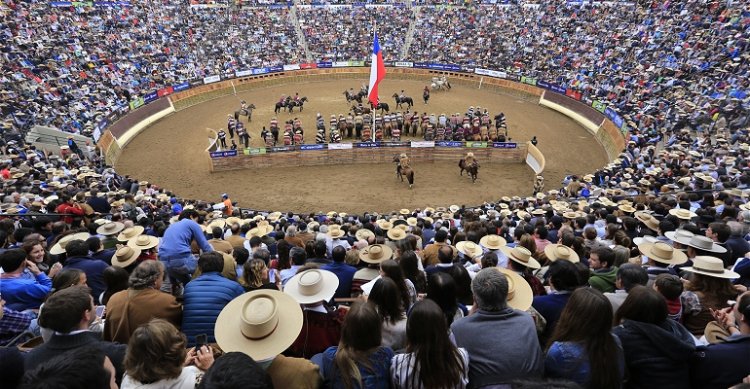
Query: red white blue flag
{"type": "Point", "coordinates": [377, 71]}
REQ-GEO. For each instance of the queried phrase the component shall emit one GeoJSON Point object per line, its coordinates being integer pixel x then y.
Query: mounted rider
{"type": "Point", "coordinates": [469, 159]}
{"type": "Point", "coordinates": [296, 97]}
{"type": "Point", "coordinates": [403, 162]}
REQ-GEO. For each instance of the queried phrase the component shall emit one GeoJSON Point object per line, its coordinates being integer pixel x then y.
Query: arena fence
{"type": "Point", "coordinates": [603, 120]}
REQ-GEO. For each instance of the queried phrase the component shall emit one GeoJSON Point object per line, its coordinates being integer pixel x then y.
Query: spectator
{"type": "Point", "coordinates": [77, 252]}
{"type": "Point", "coordinates": [19, 292]}
{"type": "Point", "coordinates": [80, 368]}
{"type": "Point", "coordinates": [628, 276]}
{"type": "Point", "coordinates": [298, 257]}
{"type": "Point", "coordinates": [386, 296]}
{"type": "Point", "coordinates": [175, 250]}
{"type": "Point", "coordinates": [563, 280]}
{"type": "Point", "coordinates": [711, 284]}
{"type": "Point", "coordinates": [344, 272]}
{"type": "Point", "coordinates": [603, 272]}
{"type": "Point", "coordinates": [235, 370]}
{"type": "Point", "coordinates": [256, 276]}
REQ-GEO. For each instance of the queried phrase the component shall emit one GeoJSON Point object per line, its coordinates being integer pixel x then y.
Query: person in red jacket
{"type": "Point", "coordinates": [68, 206]}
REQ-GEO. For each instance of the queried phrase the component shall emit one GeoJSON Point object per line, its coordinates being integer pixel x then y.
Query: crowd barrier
{"type": "Point", "coordinates": [366, 152]}
{"type": "Point", "coordinates": [604, 125]}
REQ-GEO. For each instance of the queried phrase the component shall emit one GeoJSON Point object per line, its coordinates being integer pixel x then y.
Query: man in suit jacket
{"type": "Point", "coordinates": [69, 313]}
{"type": "Point", "coordinates": [141, 302]}
{"type": "Point", "coordinates": [430, 253]}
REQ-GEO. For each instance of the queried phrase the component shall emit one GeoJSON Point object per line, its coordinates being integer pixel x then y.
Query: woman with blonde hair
{"type": "Point", "coordinates": [256, 276]}
{"type": "Point", "coordinates": [157, 359]}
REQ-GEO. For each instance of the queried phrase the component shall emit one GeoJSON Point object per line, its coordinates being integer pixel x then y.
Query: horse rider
{"type": "Point", "coordinates": [296, 97]}
{"type": "Point", "coordinates": [403, 162]}
{"type": "Point", "coordinates": [402, 97]}
{"type": "Point", "coordinates": [243, 105]}
{"type": "Point", "coordinates": [469, 159]}
{"type": "Point", "coordinates": [282, 99]}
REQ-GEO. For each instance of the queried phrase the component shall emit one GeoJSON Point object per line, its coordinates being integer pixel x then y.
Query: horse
{"type": "Point", "coordinates": [400, 173]}
{"type": "Point", "coordinates": [403, 100]}
{"type": "Point", "coordinates": [383, 107]}
{"type": "Point", "coordinates": [472, 169]}
{"type": "Point", "coordinates": [248, 111]}
{"type": "Point", "coordinates": [281, 105]}
{"type": "Point", "coordinates": [354, 96]}
{"type": "Point", "coordinates": [290, 104]}
{"type": "Point", "coordinates": [360, 110]}
{"type": "Point", "coordinates": [440, 83]}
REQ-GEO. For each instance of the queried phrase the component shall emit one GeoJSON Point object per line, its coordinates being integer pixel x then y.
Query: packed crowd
{"type": "Point", "coordinates": [344, 33]}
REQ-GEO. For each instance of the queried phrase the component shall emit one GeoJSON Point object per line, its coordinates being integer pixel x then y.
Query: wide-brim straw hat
{"type": "Point", "coordinates": [627, 208]}
{"type": "Point", "coordinates": [679, 236]}
{"type": "Point", "coordinates": [520, 295]}
{"type": "Point", "coordinates": [260, 231]}
{"type": "Point", "coordinates": [412, 221]}
{"type": "Point", "coordinates": [125, 256]}
{"type": "Point", "coordinates": [312, 286]}
{"type": "Point", "coordinates": [649, 221]}
{"type": "Point", "coordinates": [711, 267]}
{"type": "Point", "coordinates": [384, 224]}
{"type": "Point", "coordinates": [59, 247]}
{"type": "Point", "coordinates": [144, 242]}
{"type": "Point", "coordinates": [363, 234]}
{"type": "Point", "coordinates": [260, 324]}
{"type": "Point", "coordinates": [469, 248]}
{"type": "Point", "coordinates": [335, 231]}
{"type": "Point", "coordinates": [663, 253]}
{"type": "Point", "coordinates": [396, 233]}
{"type": "Point", "coordinates": [274, 216]}
{"type": "Point", "coordinates": [522, 256]}
{"type": "Point", "coordinates": [706, 244]}
{"type": "Point", "coordinates": [130, 233]}
{"type": "Point", "coordinates": [493, 242]}
{"type": "Point", "coordinates": [404, 211]}
{"type": "Point", "coordinates": [110, 228]}
{"type": "Point", "coordinates": [233, 220]}
{"type": "Point", "coordinates": [454, 208]}
{"type": "Point", "coordinates": [684, 214]}
{"type": "Point", "coordinates": [558, 251]}
{"type": "Point", "coordinates": [375, 253]}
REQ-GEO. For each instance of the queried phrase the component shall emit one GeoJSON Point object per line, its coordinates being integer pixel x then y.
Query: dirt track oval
{"type": "Point", "coordinates": [171, 154]}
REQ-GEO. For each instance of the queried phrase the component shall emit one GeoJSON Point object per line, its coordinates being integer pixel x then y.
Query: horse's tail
{"type": "Point", "coordinates": [410, 176]}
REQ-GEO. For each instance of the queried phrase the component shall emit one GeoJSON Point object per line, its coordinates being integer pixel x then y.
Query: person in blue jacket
{"type": "Point", "coordinates": [206, 296]}
{"type": "Point", "coordinates": [175, 250]}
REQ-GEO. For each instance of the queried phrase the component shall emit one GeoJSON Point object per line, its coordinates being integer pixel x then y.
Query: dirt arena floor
{"type": "Point", "coordinates": [171, 154]}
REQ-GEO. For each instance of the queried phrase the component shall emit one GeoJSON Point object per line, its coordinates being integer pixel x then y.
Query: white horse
{"type": "Point", "coordinates": [440, 83]}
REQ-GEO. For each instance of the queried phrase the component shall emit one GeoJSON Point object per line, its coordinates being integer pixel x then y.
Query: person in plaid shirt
{"type": "Point", "coordinates": [13, 323]}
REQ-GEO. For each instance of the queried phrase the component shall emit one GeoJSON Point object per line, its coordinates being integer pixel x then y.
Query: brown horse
{"type": "Point", "coordinates": [401, 172]}
{"type": "Point", "coordinates": [472, 170]}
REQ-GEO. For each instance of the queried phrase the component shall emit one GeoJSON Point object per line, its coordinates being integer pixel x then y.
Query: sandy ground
{"type": "Point", "coordinates": [171, 154]}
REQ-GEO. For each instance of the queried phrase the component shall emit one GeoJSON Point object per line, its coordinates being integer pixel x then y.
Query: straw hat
{"type": "Point", "coordinates": [384, 224]}
{"type": "Point", "coordinates": [144, 242]}
{"type": "Point", "coordinates": [130, 233]}
{"type": "Point", "coordinates": [520, 295]}
{"type": "Point", "coordinates": [260, 231]}
{"type": "Point", "coordinates": [663, 253]}
{"type": "Point", "coordinates": [59, 247]}
{"type": "Point", "coordinates": [396, 233]}
{"type": "Point", "coordinates": [412, 221]}
{"type": "Point", "coordinates": [364, 234]}
{"type": "Point", "coordinates": [375, 253]}
{"type": "Point", "coordinates": [470, 249]}
{"type": "Point", "coordinates": [684, 214]}
{"type": "Point", "coordinates": [626, 208]}
{"type": "Point", "coordinates": [558, 251]}
{"type": "Point", "coordinates": [261, 324]}
{"type": "Point", "coordinates": [273, 216]}
{"type": "Point", "coordinates": [492, 242]}
{"type": "Point", "coordinates": [649, 221]}
{"type": "Point", "coordinates": [679, 236]}
{"type": "Point", "coordinates": [711, 267]}
{"type": "Point", "coordinates": [233, 220]}
{"type": "Point", "coordinates": [335, 231]}
{"type": "Point", "coordinates": [404, 211]}
{"type": "Point", "coordinates": [125, 256]}
{"type": "Point", "coordinates": [454, 208]}
{"type": "Point", "coordinates": [110, 228]}
{"type": "Point", "coordinates": [521, 255]}
{"type": "Point", "coordinates": [312, 286]}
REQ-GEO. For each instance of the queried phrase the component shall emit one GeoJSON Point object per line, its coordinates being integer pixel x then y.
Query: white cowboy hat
{"type": "Point", "coordinates": [706, 244]}
{"type": "Point", "coordinates": [520, 295]}
{"type": "Point", "coordinates": [125, 256]}
{"type": "Point", "coordinates": [375, 253]}
{"type": "Point", "coordinates": [679, 236]}
{"type": "Point", "coordinates": [521, 255]}
{"type": "Point", "coordinates": [396, 233]}
{"type": "Point", "coordinates": [684, 214]}
{"type": "Point", "coordinates": [144, 242]}
{"type": "Point", "coordinates": [454, 208]}
{"type": "Point", "coordinates": [312, 286]}
{"type": "Point", "coordinates": [470, 249]}
{"type": "Point", "coordinates": [663, 253]}
{"type": "Point", "coordinates": [493, 242]}
{"type": "Point", "coordinates": [59, 247]}
{"type": "Point", "coordinates": [261, 324]}
{"type": "Point", "coordinates": [558, 251]}
{"type": "Point", "coordinates": [649, 221]}
{"type": "Point", "coordinates": [412, 221]}
{"type": "Point", "coordinates": [711, 267]}
{"type": "Point", "coordinates": [110, 228]}
{"type": "Point", "coordinates": [130, 233]}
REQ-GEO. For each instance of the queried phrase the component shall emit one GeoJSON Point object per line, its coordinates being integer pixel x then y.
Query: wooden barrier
{"type": "Point", "coordinates": [380, 155]}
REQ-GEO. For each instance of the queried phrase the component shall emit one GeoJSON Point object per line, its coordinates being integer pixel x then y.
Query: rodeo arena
{"type": "Point", "coordinates": [396, 194]}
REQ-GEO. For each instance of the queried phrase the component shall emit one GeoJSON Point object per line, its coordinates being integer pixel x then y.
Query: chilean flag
{"type": "Point", "coordinates": [377, 71]}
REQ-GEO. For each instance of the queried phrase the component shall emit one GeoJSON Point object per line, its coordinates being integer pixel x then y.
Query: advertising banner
{"type": "Point", "coordinates": [395, 144]}
{"type": "Point", "coordinates": [211, 79]}
{"type": "Point", "coordinates": [279, 149]}
{"type": "Point", "coordinates": [356, 63]}
{"type": "Point", "coordinates": [543, 84]}
{"type": "Point", "coordinates": [339, 146]}
{"type": "Point", "coordinates": [618, 121]}
{"type": "Point", "coordinates": [312, 147]}
{"type": "Point", "coordinates": [557, 89]}
{"type": "Point", "coordinates": [257, 71]}
{"type": "Point", "coordinates": [291, 67]}
{"type": "Point", "coordinates": [325, 64]}
{"type": "Point", "coordinates": [254, 150]}
{"type": "Point", "coordinates": [181, 87]}
{"type": "Point", "coordinates": [440, 66]}
{"type": "Point", "coordinates": [513, 77]}
{"type": "Point", "coordinates": [243, 73]}
{"type": "Point", "coordinates": [573, 94]}
{"type": "Point", "coordinates": [599, 106]}
{"type": "Point", "coordinates": [422, 144]}
{"type": "Point", "coordinates": [149, 97]}
{"type": "Point", "coordinates": [136, 103]}
{"type": "Point", "coordinates": [528, 80]}
{"type": "Point", "coordinates": [224, 154]}
{"type": "Point", "coordinates": [476, 145]}
{"type": "Point", "coordinates": [491, 73]}
{"type": "Point", "coordinates": [308, 66]}
{"type": "Point", "coordinates": [277, 68]}
{"type": "Point", "coordinates": [446, 143]}
{"type": "Point", "coordinates": [367, 145]}
{"type": "Point", "coordinates": [400, 64]}
{"type": "Point", "coordinates": [504, 145]}
{"type": "Point", "coordinates": [340, 64]}
{"type": "Point", "coordinates": [165, 91]}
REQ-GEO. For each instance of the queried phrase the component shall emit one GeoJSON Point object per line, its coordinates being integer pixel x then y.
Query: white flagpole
{"type": "Point", "coordinates": [374, 30]}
